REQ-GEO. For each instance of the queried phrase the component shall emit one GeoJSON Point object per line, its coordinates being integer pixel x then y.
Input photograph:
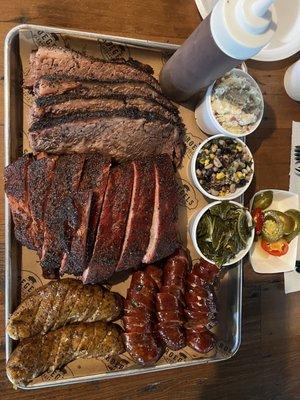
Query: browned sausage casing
{"type": "Point", "coordinates": [139, 337]}
{"type": "Point", "coordinates": [63, 302]}
{"type": "Point", "coordinates": [33, 356]}
{"type": "Point", "coordinates": [170, 301]}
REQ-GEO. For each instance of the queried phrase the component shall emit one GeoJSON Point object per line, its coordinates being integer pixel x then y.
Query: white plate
{"type": "Point", "coordinates": [261, 261]}
{"type": "Point", "coordinates": [286, 40]}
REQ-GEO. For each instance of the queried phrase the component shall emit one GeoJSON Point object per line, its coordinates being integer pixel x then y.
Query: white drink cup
{"type": "Point", "coordinates": [292, 81]}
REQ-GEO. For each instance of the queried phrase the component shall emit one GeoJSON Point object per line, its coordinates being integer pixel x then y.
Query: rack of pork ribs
{"type": "Point", "coordinates": [88, 218]}
{"type": "Point", "coordinates": [172, 305]}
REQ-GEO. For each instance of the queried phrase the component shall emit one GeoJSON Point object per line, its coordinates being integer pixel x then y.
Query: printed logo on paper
{"type": "Point", "coordinates": [111, 51]}
{"type": "Point", "coordinates": [115, 363]}
{"type": "Point", "coordinates": [66, 372]}
{"type": "Point", "coordinates": [29, 282]}
{"type": "Point", "coordinates": [42, 38]}
{"type": "Point", "coordinates": [187, 194]}
{"type": "Point", "coordinates": [192, 142]}
{"type": "Point", "coordinates": [172, 357]}
{"type": "Point", "coordinates": [27, 98]}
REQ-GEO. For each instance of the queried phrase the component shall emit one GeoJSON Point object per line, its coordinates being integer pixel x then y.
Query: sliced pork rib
{"type": "Point", "coordinates": [86, 218]}
{"type": "Point", "coordinates": [16, 188]}
{"type": "Point", "coordinates": [74, 261]}
{"type": "Point", "coordinates": [94, 177]}
{"type": "Point", "coordinates": [112, 225]}
{"type": "Point", "coordinates": [40, 174]}
{"type": "Point", "coordinates": [61, 216]}
{"type": "Point", "coordinates": [163, 235]}
{"type": "Point", "coordinates": [140, 215]}
{"type": "Point", "coordinates": [59, 61]}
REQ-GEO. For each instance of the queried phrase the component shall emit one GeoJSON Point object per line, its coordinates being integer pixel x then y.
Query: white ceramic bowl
{"type": "Point", "coordinates": [193, 233]}
{"type": "Point", "coordinates": [206, 120]}
{"type": "Point", "coordinates": [231, 196]}
{"type": "Point", "coordinates": [261, 261]}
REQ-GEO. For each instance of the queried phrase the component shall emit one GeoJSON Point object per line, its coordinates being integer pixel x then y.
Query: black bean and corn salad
{"type": "Point", "coordinates": [223, 165]}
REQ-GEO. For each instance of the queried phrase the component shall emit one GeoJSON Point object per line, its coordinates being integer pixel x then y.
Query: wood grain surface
{"type": "Point", "coordinates": [267, 366]}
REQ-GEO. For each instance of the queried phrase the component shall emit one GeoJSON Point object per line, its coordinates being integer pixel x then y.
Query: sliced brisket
{"type": "Point", "coordinates": [98, 104]}
{"type": "Point", "coordinates": [61, 216]}
{"type": "Point", "coordinates": [112, 225]}
{"type": "Point", "coordinates": [59, 61]}
{"type": "Point", "coordinates": [126, 134]}
{"type": "Point", "coordinates": [53, 90]}
{"type": "Point", "coordinates": [16, 188]}
{"type": "Point", "coordinates": [163, 236]}
{"type": "Point", "coordinates": [140, 215]}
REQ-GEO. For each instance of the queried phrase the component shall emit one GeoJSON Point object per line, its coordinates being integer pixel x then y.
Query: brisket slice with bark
{"type": "Point", "coordinates": [112, 225]}
{"type": "Point", "coordinates": [16, 188]}
{"type": "Point", "coordinates": [59, 61]}
{"type": "Point", "coordinates": [98, 104]}
{"type": "Point", "coordinates": [54, 89]}
{"type": "Point", "coordinates": [124, 134]}
{"type": "Point", "coordinates": [40, 174]}
{"type": "Point", "coordinates": [163, 236]}
{"type": "Point", "coordinates": [61, 216]}
{"type": "Point", "coordinates": [140, 215]}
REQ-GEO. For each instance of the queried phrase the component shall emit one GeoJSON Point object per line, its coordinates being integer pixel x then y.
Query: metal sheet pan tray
{"type": "Point", "coordinates": [22, 271]}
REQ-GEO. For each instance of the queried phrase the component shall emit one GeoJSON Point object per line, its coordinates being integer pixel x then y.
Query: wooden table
{"type": "Point", "coordinates": [267, 365]}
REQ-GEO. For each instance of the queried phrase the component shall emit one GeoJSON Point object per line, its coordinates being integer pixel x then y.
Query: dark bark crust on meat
{"type": "Point", "coordinates": [75, 262]}
{"type": "Point", "coordinates": [103, 103]}
{"type": "Point", "coordinates": [112, 225]}
{"type": "Point", "coordinates": [140, 217]}
{"type": "Point", "coordinates": [16, 188]}
{"type": "Point", "coordinates": [40, 174]}
{"type": "Point", "coordinates": [94, 177]}
{"type": "Point", "coordinates": [61, 217]}
{"type": "Point", "coordinates": [132, 113]}
{"type": "Point", "coordinates": [84, 88]}
{"type": "Point", "coordinates": [67, 97]}
{"type": "Point", "coordinates": [45, 61]}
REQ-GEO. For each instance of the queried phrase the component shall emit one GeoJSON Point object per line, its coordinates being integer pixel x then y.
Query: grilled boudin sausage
{"type": "Point", "coordinates": [63, 302]}
{"type": "Point", "coordinates": [33, 356]}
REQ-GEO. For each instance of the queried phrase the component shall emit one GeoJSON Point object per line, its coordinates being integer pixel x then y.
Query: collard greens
{"type": "Point", "coordinates": [223, 232]}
